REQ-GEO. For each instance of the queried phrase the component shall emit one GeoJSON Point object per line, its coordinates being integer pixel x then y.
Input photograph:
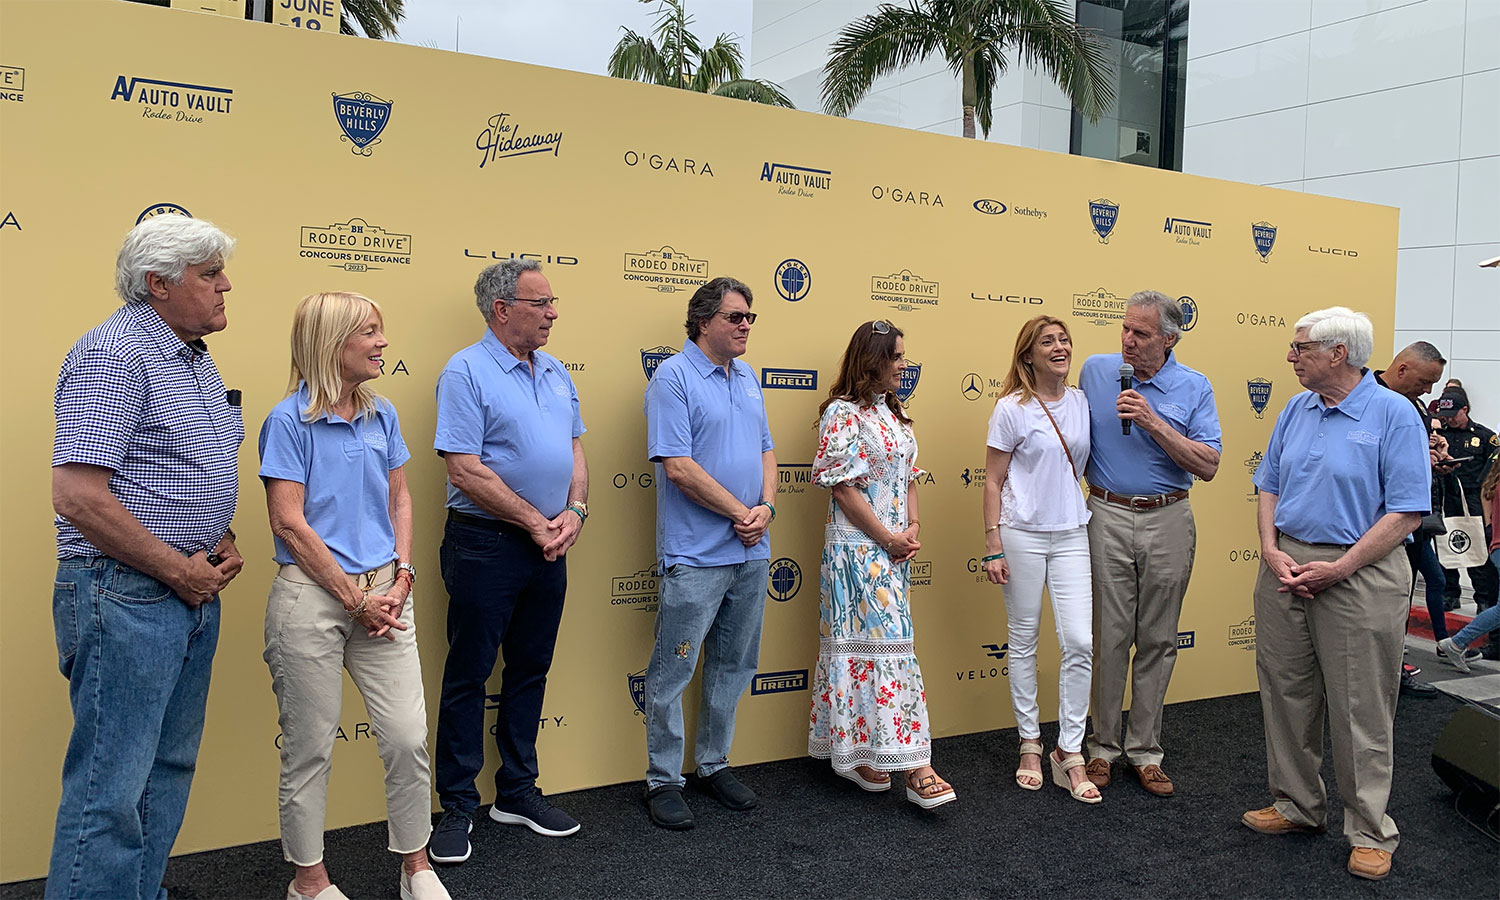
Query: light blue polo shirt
{"type": "Point", "coordinates": [1135, 463]}
{"type": "Point", "coordinates": [694, 410]}
{"type": "Point", "coordinates": [344, 468]}
{"type": "Point", "coordinates": [519, 422]}
{"type": "Point", "coordinates": [1336, 471]}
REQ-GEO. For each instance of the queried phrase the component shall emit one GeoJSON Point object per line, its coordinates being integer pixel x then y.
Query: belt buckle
{"type": "Point", "coordinates": [1140, 503]}
{"type": "Point", "coordinates": [366, 580]}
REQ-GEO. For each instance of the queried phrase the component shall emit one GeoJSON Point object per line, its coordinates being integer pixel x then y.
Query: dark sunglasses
{"type": "Point", "coordinates": [737, 317]}
{"type": "Point", "coordinates": [880, 326]}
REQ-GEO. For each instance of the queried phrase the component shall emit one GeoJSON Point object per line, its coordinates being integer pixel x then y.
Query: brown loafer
{"type": "Point", "coordinates": [1368, 862]}
{"type": "Point", "coordinates": [1098, 772]}
{"type": "Point", "coordinates": [1153, 779]}
{"type": "Point", "coordinates": [1271, 821]}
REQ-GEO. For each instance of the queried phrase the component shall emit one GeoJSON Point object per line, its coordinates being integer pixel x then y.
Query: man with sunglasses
{"type": "Point", "coordinates": [706, 431]}
{"type": "Point", "coordinates": [508, 430]}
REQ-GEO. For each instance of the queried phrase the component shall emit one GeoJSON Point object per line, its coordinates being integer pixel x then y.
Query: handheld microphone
{"type": "Point", "coordinates": [1127, 371]}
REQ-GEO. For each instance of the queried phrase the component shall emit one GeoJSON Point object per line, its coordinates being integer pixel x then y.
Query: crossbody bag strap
{"type": "Point", "coordinates": [1058, 431]}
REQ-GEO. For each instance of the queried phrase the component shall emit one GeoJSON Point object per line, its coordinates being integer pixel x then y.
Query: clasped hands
{"type": "Point", "coordinates": [1303, 579]}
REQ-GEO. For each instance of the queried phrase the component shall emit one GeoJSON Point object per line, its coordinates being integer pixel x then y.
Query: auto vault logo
{"type": "Point", "coordinates": [651, 359]}
{"type": "Point", "coordinates": [362, 117]}
{"type": "Point", "coordinates": [797, 181]}
{"type": "Point", "coordinates": [355, 245]}
{"type": "Point", "coordinates": [666, 270]}
{"type": "Point", "coordinates": [1188, 231]}
{"type": "Point", "coordinates": [504, 138]}
{"type": "Point", "coordinates": [904, 290]}
{"type": "Point", "coordinates": [793, 478]}
{"type": "Point", "coordinates": [789, 379]}
{"type": "Point", "coordinates": [1099, 306]}
{"type": "Point", "coordinates": [1263, 236]}
{"type": "Point", "coordinates": [1104, 214]}
{"type": "Point", "coordinates": [173, 101]}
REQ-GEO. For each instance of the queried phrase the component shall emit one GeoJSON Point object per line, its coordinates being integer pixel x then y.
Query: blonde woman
{"type": "Point", "coordinates": [1035, 533]}
{"type": "Point", "coordinates": [332, 460]}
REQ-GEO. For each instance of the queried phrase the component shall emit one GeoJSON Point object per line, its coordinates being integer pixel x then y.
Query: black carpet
{"type": "Point", "coordinates": [816, 835]}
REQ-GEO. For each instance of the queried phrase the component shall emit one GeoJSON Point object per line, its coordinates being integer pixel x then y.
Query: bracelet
{"type": "Point", "coordinates": [359, 608]}
{"type": "Point", "coordinates": [993, 556]}
{"type": "Point", "coordinates": [767, 505]}
{"type": "Point", "coordinates": [577, 512]}
{"type": "Point", "coordinates": [992, 528]}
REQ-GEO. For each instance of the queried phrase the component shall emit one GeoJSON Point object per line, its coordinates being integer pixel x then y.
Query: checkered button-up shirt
{"type": "Point", "coordinates": [133, 398]}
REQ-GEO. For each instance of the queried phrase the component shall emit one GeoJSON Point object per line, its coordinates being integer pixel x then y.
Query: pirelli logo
{"type": "Point", "coordinates": [779, 682]}
{"type": "Point", "coordinates": [789, 379]}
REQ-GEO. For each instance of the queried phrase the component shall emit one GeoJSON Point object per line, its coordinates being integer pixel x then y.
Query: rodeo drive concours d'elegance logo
{"type": "Point", "coordinates": [504, 137]}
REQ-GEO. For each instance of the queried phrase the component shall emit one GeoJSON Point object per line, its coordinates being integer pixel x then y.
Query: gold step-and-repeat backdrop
{"type": "Point", "coordinates": [398, 171]}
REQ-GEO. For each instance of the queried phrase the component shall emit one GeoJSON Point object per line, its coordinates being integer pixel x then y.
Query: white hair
{"type": "Point", "coordinates": [1342, 325]}
{"type": "Point", "coordinates": [166, 245]}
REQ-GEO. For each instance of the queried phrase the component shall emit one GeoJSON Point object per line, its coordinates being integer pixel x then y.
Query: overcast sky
{"type": "Point", "coordinates": [564, 34]}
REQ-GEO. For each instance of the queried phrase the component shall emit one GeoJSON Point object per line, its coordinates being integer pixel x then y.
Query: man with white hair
{"type": "Point", "coordinates": [144, 481]}
{"type": "Point", "coordinates": [1344, 480]}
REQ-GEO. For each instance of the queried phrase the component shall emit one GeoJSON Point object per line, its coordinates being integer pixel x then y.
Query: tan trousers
{"type": "Point", "coordinates": [309, 641]}
{"type": "Point", "coordinates": [1337, 654]}
{"type": "Point", "coordinates": [1141, 563]}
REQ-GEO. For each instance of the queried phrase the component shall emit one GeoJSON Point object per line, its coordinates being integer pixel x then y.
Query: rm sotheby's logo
{"type": "Point", "coordinates": [161, 209]}
{"type": "Point", "coordinates": [12, 83]}
{"type": "Point", "coordinates": [362, 117]}
{"type": "Point", "coordinates": [1260, 395]}
{"type": "Point", "coordinates": [779, 682]}
{"type": "Point", "coordinates": [503, 138]}
{"type": "Point", "coordinates": [990, 207]}
{"type": "Point", "coordinates": [1099, 306]}
{"type": "Point", "coordinates": [636, 590]}
{"type": "Point", "coordinates": [789, 379]}
{"type": "Point", "coordinates": [903, 290]}
{"type": "Point", "coordinates": [654, 357]}
{"type": "Point", "coordinates": [909, 378]}
{"type": "Point", "coordinates": [784, 580]}
{"type": "Point", "coordinates": [173, 100]}
{"type": "Point", "coordinates": [1103, 214]}
{"type": "Point", "coordinates": [906, 196]}
{"type": "Point", "coordinates": [355, 245]}
{"type": "Point", "coordinates": [1188, 231]}
{"type": "Point", "coordinates": [666, 270]}
{"type": "Point", "coordinates": [1263, 234]}
{"type": "Point", "coordinates": [797, 181]}
{"type": "Point", "coordinates": [669, 164]}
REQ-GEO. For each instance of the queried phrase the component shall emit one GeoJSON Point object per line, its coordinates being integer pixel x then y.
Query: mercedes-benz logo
{"type": "Point", "coordinates": [973, 386]}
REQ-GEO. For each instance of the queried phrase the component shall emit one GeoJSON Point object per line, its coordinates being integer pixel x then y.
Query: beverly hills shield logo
{"type": "Point", "coordinates": [1264, 235]}
{"type": "Point", "coordinates": [637, 683]}
{"type": "Point", "coordinates": [1260, 395]}
{"type": "Point", "coordinates": [1104, 214]}
{"type": "Point", "coordinates": [909, 378]}
{"type": "Point", "coordinates": [362, 117]}
{"type": "Point", "coordinates": [654, 357]}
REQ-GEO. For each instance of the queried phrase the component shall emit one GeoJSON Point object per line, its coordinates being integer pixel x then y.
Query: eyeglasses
{"type": "Point", "coordinates": [1300, 347]}
{"type": "Point", "coordinates": [539, 302]}
{"type": "Point", "coordinates": [736, 317]}
{"type": "Point", "coordinates": [880, 326]}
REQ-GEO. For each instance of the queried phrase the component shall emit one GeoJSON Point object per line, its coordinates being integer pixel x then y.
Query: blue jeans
{"type": "Point", "coordinates": [1424, 560]}
{"type": "Point", "coordinates": [717, 609]}
{"type": "Point", "coordinates": [1488, 620]}
{"type": "Point", "coordinates": [138, 662]}
{"type": "Point", "coordinates": [502, 597]}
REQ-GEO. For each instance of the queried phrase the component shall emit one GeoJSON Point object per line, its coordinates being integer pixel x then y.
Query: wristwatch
{"type": "Point", "coordinates": [409, 569]}
{"type": "Point", "coordinates": [581, 508]}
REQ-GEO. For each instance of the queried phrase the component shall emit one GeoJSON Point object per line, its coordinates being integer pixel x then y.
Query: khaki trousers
{"type": "Point", "coordinates": [1337, 654]}
{"type": "Point", "coordinates": [1141, 563]}
{"type": "Point", "coordinates": [309, 641]}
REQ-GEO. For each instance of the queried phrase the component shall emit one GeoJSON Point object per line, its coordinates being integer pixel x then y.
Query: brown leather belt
{"type": "Point", "coordinates": [1135, 502]}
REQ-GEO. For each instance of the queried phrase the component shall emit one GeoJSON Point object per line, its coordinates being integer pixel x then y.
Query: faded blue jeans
{"type": "Point", "coordinates": [137, 660]}
{"type": "Point", "coordinates": [1487, 620]}
{"type": "Point", "coordinates": [717, 609]}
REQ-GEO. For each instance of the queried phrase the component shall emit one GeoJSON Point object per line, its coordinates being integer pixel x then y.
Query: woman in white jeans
{"type": "Point", "coordinates": [333, 462]}
{"type": "Point", "coordinates": [1035, 533]}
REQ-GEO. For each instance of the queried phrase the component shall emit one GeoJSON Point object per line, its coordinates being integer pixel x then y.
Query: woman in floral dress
{"type": "Point", "coordinates": [869, 709]}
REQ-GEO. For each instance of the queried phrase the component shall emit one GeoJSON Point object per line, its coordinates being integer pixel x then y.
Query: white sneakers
{"type": "Point", "coordinates": [422, 886]}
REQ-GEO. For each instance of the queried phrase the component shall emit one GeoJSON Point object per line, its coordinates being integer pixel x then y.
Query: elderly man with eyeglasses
{"type": "Point", "coordinates": [706, 431]}
{"type": "Point", "coordinates": [509, 431]}
{"type": "Point", "coordinates": [1344, 480]}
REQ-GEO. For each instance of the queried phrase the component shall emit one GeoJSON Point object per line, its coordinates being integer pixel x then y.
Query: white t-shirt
{"type": "Point", "coordinates": [1040, 492]}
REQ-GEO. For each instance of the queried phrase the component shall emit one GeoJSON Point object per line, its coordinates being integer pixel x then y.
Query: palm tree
{"type": "Point", "coordinates": [973, 36]}
{"type": "Point", "coordinates": [676, 58]}
{"type": "Point", "coordinates": [375, 18]}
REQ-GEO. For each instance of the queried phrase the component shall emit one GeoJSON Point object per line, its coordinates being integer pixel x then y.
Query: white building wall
{"type": "Point", "coordinates": [1388, 101]}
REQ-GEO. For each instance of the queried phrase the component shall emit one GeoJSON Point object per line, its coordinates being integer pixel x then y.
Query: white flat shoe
{"type": "Point", "coordinates": [329, 893]}
{"type": "Point", "coordinates": [422, 886]}
{"type": "Point", "coordinates": [873, 787]}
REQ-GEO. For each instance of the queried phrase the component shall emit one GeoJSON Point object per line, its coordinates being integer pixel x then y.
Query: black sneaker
{"type": "Point", "coordinates": [668, 809]}
{"type": "Point", "coordinates": [535, 813]}
{"type": "Point", "coordinates": [725, 788]}
{"type": "Point", "coordinates": [450, 840]}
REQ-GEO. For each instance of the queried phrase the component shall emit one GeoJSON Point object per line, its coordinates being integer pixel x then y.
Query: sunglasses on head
{"type": "Point", "coordinates": [880, 326]}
